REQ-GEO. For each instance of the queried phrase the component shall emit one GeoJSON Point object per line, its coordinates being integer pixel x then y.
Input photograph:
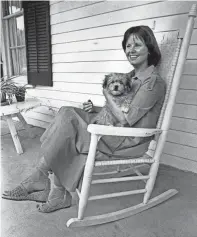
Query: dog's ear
{"type": "Point", "coordinates": [128, 84]}
{"type": "Point", "coordinates": [105, 81]}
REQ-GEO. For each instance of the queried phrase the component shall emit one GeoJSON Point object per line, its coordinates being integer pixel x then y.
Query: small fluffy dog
{"type": "Point", "coordinates": [119, 86]}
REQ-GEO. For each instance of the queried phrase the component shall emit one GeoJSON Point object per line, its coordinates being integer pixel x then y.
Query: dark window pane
{"type": "Point", "coordinates": [5, 7]}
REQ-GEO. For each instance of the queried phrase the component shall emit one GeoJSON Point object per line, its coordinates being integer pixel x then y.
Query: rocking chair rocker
{"type": "Point", "coordinates": [174, 51]}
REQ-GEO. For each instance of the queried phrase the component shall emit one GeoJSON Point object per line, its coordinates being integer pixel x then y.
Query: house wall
{"type": "Point", "coordinates": [86, 45]}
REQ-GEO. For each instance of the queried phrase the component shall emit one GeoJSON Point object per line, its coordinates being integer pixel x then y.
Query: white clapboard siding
{"type": "Point", "coordinates": [99, 66]}
{"type": "Point", "coordinates": [184, 138]}
{"type": "Point", "coordinates": [185, 111]}
{"type": "Point", "coordinates": [93, 9]}
{"type": "Point", "coordinates": [190, 67]}
{"type": "Point", "coordinates": [167, 23]}
{"type": "Point", "coordinates": [92, 78]}
{"type": "Point", "coordinates": [194, 37]}
{"type": "Point", "coordinates": [192, 52]}
{"type": "Point", "coordinates": [56, 104]}
{"type": "Point", "coordinates": [68, 96]}
{"type": "Point", "coordinates": [132, 14]}
{"type": "Point", "coordinates": [83, 88]}
{"type": "Point", "coordinates": [107, 55]}
{"type": "Point", "coordinates": [87, 44]}
{"type": "Point", "coordinates": [179, 162]}
{"type": "Point", "coordinates": [185, 125]}
{"type": "Point", "coordinates": [75, 87]}
{"type": "Point", "coordinates": [186, 97]}
{"type": "Point", "coordinates": [67, 6]}
{"type": "Point", "coordinates": [182, 151]}
{"type": "Point", "coordinates": [97, 32]}
{"type": "Point", "coordinates": [52, 2]}
{"type": "Point", "coordinates": [189, 82]}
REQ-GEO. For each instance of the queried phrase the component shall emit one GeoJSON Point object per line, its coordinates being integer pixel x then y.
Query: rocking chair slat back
{"type": "Point", "coordinates": [170, 47]}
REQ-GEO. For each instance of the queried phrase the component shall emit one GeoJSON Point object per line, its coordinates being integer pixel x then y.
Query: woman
{"type": "Point", "coordinates": [66, 142]}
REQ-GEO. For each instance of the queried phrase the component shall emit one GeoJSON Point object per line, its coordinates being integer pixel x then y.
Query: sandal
{"type": "Point", "coordinates": [49, 206]}
{"type": "Point", "coordinates": [20, 193]}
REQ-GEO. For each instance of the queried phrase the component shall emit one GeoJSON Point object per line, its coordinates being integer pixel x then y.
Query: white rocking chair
{"type": "Point", "coordinates": [174, 51]}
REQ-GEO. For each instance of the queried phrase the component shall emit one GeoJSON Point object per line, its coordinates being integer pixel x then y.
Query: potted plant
{"type": "Point", "coordinates": [20, 93]}
{"type": "Point", "coordinates": [3, 97]}
{"type": "Point", "coordinates": [8, 89]}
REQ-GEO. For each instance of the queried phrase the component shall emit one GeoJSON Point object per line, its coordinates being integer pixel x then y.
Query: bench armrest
{"type": "Point", "coordinates": [122, 131]}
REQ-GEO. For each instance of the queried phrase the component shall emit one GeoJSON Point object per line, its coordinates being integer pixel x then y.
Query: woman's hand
{"type": "Point", "coordinates": [105, 93]}
{"type": "Point", "coordinates": [88, 106]}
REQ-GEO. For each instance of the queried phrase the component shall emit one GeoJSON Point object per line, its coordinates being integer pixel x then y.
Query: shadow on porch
{"type": "Point", "coordinates": [174, 218]}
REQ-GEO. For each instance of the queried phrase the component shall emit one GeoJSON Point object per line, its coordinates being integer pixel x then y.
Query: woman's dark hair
{"type": "Point", "coordinates": [145, 34]}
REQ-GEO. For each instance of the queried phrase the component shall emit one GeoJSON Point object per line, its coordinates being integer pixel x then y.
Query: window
{"type": "Point", "coordinates": [27, 40]}
{"type": "Point", "coordinates": [14, 38]}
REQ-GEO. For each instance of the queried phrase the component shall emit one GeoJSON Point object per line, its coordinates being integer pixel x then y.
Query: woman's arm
{"type": "Point", "coordinates": [114, 108]}
{"type": "Point", "coordinates": [144, 100]}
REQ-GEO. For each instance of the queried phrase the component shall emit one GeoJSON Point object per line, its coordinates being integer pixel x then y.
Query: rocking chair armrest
{"type": "Point", "coordinates": [122, 131]}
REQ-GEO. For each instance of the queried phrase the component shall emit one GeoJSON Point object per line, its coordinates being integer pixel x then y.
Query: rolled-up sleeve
{"type": "Point", "coordinates": [144, 100]}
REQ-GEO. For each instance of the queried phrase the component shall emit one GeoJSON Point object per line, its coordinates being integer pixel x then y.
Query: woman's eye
{"type": "Point", "coordinates": [134, 46]}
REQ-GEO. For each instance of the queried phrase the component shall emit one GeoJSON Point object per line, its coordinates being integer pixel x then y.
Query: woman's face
{"type": "Point", "coordinates": [136, 51]}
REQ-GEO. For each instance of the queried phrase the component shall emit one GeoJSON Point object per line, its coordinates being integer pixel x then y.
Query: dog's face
{"type": "Point", "coordinates": [117, 84]}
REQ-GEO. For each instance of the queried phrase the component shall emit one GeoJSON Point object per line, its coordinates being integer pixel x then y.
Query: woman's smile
{"type": "Point", "coordinates": [133, 57]}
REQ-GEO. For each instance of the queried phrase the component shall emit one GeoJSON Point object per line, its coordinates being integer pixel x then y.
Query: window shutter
{"type": "Point", "coordinates": [38, 42]}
